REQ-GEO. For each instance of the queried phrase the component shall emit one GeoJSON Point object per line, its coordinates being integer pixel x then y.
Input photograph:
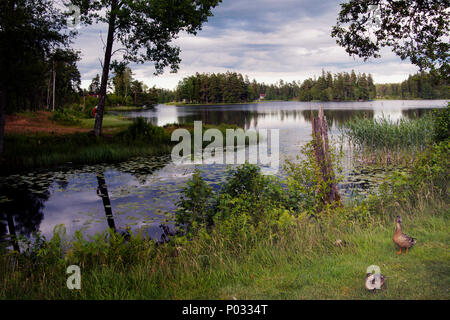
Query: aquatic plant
{"type": "Point", "coordinates": [382, 140]}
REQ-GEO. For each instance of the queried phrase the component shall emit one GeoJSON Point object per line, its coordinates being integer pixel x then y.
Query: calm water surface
{"type": "Point", "coordinates": [142, 192]}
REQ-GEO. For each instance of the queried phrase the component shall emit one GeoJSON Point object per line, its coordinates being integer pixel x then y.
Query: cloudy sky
{"type": "Point", "coordinates": [268, 40]}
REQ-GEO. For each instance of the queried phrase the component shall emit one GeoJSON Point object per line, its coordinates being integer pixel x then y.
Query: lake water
{"type": "Point", "coordinates": [142, 192]}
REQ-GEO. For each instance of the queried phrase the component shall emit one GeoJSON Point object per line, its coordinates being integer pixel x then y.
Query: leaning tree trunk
{"type": "Point", "coordinates": [105, 73]}
{"type": "Point", "coordinates": [329, 190]}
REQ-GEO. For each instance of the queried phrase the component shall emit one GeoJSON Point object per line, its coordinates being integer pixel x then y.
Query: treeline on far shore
{"type": "Point", "coordinates": [212, 88]}
{"type": "Point", "coordinates": [232, 87]}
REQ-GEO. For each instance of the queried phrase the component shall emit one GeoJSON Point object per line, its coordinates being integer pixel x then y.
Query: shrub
{"type": "Point", "coordinates": [195, 204]}
{"type": "Point", "coordinates": [141, 130]}
{"type": "Point", "coordinates": [441, 124]}
{"type": "Point", "coordinates": [433, 166]}
{"type": "Point", "coordinates": [305, 187]}
{"type": "Point", "coordinates": [247, 198]}
{"type": "Point", "coordinates": [66, 117]}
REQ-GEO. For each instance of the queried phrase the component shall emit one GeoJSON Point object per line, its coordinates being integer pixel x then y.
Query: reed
{"type": "Point", "coordinates": [385, 141]}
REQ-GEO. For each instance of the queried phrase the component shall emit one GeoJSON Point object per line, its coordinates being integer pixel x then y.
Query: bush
{"type": "Point", "coordinates": [441, 124]}
{"type": "Point", "coordinates": [305, 187]}
{"type": "Point", "coordinates": [66, 117]}
{"type": "Point", "coordinates": [141, 130]}
{"type": "Point", "coordinates": [433, 166]}
{"type": "Point", "coordinates": [195, 205]}
{"type": "Point", "coordinates": [247, 198]}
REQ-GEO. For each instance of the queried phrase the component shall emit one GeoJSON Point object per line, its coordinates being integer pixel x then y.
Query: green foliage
{"type": "Point", "coordinates": [37, 39]}
{"type": "Point", "coordinates": [194, 209]}
{"type": "Point", "coordinates": [386, 133]}
{"type": "Point", "coordinates": [66, 117]}
{"type": "Point", "coordinates": [433, 167]}
{"type": "Point", "coordinates": [305, 187]}
{"type": "Point", "coordinates": [413, 29]}
{"type": "Point", "coordinates": [384, 141]}
{"type": "Point", "coordinates": [338, 87]}
{"type": "Point", "coordinates": [142, 130]}
{"type": "Point", "coordinates": [246, 178]}
{"type": "Point", "coordinates": [231, 87]}
{"type": "Point", "coordinates": [441, 124]}
{"type": "Point", "coordinates": [247, 198]}
{"type": "Point", "coordinates": [422, 85]}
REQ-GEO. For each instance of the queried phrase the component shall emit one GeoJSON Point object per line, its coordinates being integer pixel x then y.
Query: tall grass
{"type": "Point", "coordinates": [383, 140]}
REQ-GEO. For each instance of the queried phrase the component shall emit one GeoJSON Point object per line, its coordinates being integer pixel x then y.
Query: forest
{"type": "Point", "coordinates": [232, 87]}
{"type": "Point", "coordinates": [419, 86]}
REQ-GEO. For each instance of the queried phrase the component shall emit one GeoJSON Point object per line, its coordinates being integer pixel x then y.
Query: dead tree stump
{"type": "Point", "coordinates": [329, 191]}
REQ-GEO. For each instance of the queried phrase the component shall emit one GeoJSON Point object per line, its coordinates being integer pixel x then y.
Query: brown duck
{"type": "Point", "coordinates": [401, 239]}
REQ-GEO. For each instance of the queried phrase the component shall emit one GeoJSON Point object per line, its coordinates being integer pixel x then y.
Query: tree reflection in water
{"type": "Point", "coordinates": [23, 213]}
{"type": "Point", "coordinates": [102, 191]}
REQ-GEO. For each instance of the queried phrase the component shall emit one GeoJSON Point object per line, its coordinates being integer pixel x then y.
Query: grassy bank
{"type": "Point", "coordinates": [122, 139]}
{"type": "Point", "coordinates": [110, 122]}
{"type": "Point", "coordinates": [44, 150]}
{"type": "Point", "coordinates": [125, 108]}
{"type": "Point", "coordinates": [301, 263]}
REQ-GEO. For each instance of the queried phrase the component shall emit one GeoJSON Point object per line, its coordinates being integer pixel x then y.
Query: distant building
{"type": "Point", "coordinates": [262, 96]}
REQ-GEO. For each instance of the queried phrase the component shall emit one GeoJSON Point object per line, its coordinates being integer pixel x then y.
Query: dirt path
{"type": "Point", "coordinates": [38, 122]}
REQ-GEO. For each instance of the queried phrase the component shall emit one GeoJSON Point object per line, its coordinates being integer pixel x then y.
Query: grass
{"type": "Point", "coordinates": [43, 150]}
{"type": "Point", "coordinates": [268, 260]}
{"type": "Point", "coordinates": [386, 141]}
{"type": "Point", "coordinates": [46, 150]}
{"type": "Point", "coordinates": [124, 108]}
{"type": "Point", "coordinates": [109, 122]}
{"type": "Point", "coordinates": [301, 263]}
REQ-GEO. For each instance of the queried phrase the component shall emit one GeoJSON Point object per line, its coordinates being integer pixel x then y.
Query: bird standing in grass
{"type": "Point", "coordinates": [401, 239]}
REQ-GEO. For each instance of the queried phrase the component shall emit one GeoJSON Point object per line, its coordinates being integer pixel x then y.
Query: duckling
{"type": "Point", "coordinates": [401, 239]}
{"type": "Point", "coordinates": [370, 281]}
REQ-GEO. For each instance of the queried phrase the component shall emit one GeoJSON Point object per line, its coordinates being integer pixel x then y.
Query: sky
{"type": "Point", "coordinates": [267, 40]}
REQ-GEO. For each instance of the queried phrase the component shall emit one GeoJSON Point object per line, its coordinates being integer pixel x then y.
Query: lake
{"type": "Point", "coordinates": [141, 193]}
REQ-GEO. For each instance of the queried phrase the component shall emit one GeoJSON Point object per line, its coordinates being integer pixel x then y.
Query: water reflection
{"type": "Point", "coordinates": [23, 211]}
{"type": "Point", "coordinates": [282, 114]}
{"type": "Point", "coordinates": [102, 192]}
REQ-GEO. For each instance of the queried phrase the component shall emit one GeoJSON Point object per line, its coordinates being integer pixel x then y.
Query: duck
{"type": "Point", "coordinates": [370, 281]}
{"type": "Point", "coordinates": [400, 239]}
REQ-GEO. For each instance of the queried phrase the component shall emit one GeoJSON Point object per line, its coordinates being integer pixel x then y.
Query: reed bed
{"type": "Point", "coordinates": [385, 141]}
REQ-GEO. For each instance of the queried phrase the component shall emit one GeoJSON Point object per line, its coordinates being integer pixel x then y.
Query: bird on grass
{"type": "Point", "coordinates": [371, 283]}
{"type": "Point", "coordinates": [400, 239]}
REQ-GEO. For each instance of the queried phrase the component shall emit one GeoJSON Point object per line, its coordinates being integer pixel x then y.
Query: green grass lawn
{"type": "Point", "coordinates": [110, 121]}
